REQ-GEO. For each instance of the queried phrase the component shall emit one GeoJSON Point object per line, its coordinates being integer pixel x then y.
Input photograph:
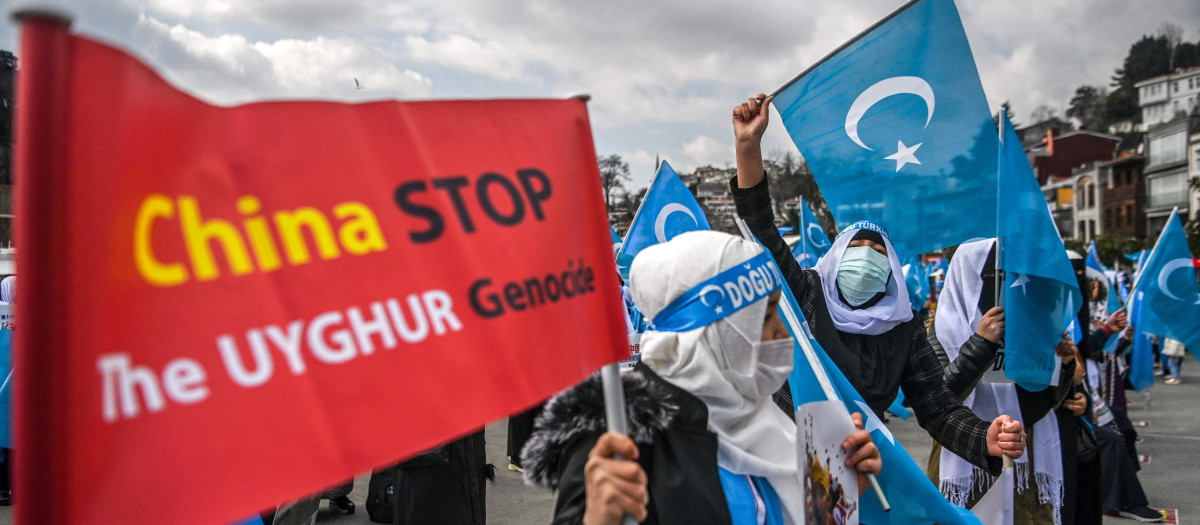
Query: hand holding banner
{"type": "Point", "coordinates": [226, 294]}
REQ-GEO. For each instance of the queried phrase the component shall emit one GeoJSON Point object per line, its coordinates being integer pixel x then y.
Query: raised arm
{"type": "Point", "coordinates": [751, 193]}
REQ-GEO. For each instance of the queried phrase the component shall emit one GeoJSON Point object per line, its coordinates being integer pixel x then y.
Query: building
{"type": "Point", "coordinates": [1061, 200]}
{"type": "Point", "coordinates": [1087, 184]}
{"type": "Point", "coordinates": [1035, 134]}
{"type": "Point", "coordinates": [1194, 172]}
{"type": "Point", "coordinates": [1164, 98]}
{"type": "Point", "coordinates": [1058, 156]}
{"type": "Point", "coordinates": [1124, 195]}
{"type": "Point", "coordinates": [1167, 172]}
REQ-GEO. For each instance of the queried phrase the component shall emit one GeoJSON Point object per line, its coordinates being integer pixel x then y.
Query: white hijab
{"type": "Point", "coordinates": [8, 290]}
{"type": "Point", "coordinates": [956, 319]}
{"type": "Point", "coordinates": [754, 437]}
{"type": "Point", "coordinates": [890, 311]}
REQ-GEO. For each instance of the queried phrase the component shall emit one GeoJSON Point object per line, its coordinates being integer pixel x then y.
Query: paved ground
{"type": "Point", "coordinates": [1170, 479]}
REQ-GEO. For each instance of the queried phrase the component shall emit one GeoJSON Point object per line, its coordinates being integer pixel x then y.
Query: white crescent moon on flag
{"type": "Point", "coordinates": [814, 239]}
{"type": "Point", "coordinates": [884, 89]}
{"type": "Point", "coordinates": [704, 293]}
{"type": "Point", "coordinates": [1166, 273]}
{"type": "Point", "coordinates": [660, 222]}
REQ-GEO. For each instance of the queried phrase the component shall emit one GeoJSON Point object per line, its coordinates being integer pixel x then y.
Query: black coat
{"type": "Point", "coordinates": [670, 427]}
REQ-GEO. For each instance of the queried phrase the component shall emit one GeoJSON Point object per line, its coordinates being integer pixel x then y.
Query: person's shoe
{"type": "Point", "coordinates": [342, 504]}
{"type": "Point", "coordinates": [516, 468]}
{"type": "Point", "coordinates": [1141, 513]}
{"type": "Point", "coordinates": [1173, 381]}
{"type": "Point", "coordinates": [5, 498]}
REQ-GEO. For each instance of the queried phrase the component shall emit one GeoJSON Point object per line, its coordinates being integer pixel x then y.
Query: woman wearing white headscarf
{"type": "Point", "coordinates": [711, 446]}
{"type": "Point", "coordinates": [967, 341]}
{"type": "Point", "coordinates": [857, 307]}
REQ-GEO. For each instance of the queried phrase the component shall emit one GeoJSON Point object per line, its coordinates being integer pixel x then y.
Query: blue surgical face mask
{"type": "Point", "coordinates": [864, 272]}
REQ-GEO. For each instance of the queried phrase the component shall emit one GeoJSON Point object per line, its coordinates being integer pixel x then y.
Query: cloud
{"type": "Point", "coordinates": [229, 68]}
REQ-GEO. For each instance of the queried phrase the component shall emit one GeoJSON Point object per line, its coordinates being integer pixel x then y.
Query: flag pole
{"type": "Point", "coordinates": [793, 321]}
{"type": "Point", "coordinates": [610, 380]}
{"type": "Point", "coordinates": [844, 45]}
{"type": "Point", "coordinates": [39, 358]}
{"type": "Point", "coordinates": [999, 285]}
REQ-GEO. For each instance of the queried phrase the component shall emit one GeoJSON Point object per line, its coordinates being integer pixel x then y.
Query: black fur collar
{"type": "Point", "coordinates": [580, 409]}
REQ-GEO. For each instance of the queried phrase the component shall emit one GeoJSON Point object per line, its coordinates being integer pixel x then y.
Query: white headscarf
{"type": "Point", "coordinates": [754, 437]}
{"type": "Point", "coordinates": [8, 290]}
{"type": "Point", "coordinates": [890, 311]}
{"type": "Point", "coordinates": [956, 319]}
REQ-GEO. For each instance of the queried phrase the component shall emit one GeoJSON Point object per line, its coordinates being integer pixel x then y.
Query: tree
{"type": "Point", "coordinates": [1088, 108]}
{"type": "Point", "coordinates": [8, 69]}
{"type": "Point", "coordinates": [614, 172]}
{"type": "Point", "coordinates": [1043, 113]}
{"type": "Point", "coordinates": [1007, 107]}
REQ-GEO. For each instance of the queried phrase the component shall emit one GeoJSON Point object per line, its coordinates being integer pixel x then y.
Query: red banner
{"type": "Point", "coordinates": [227, 308]}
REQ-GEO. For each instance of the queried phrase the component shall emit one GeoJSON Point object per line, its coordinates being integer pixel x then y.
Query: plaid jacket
{"type": "Point", "coordinates": [938, 412]}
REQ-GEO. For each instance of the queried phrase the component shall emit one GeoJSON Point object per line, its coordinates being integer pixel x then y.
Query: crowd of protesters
{"type": "Point", "coordinates": [712, 435]}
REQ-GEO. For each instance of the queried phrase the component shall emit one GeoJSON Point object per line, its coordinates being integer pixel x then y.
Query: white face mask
{"type": "Point", "coordinates": [758, 369]}
{"type": "Point", "coordinates": [863, 273]}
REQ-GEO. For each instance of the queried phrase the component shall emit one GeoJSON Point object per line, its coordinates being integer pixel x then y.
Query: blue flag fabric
{"type": "Point", "coordinates": [667, 210]}
{"type": "Point", "coordinates": [897, 407]}
{"type": "Point", "coordinates": [813, 241]}
{"type": "Point", "coordinates": [6, 435]}
{"type": "Point", "coordinates": [1041, 294]}
{"type": "Point", "coordinates": [897, 130]}
{"type": "Point", "coordinates": [916, 277]}
{"type": "Point", "coordinates": [1141, 360]}
{"type": "Point", "coordinates": [1093, 259]}
{"type": "Point", "coordinates": [616, 240]}
{"type": "Point", "coordinates": [1168, 291]}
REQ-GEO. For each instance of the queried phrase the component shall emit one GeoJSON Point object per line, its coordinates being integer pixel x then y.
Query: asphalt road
{"type": "Point", "coordinates": [1170, 480]}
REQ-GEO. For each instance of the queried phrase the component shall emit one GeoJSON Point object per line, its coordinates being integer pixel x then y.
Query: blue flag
{"type": "Point", "coordinates": [616, 240]}
{"type": "Point", "coordinates": [813, 242]}
{"type": "Point", "coordinates": [897, 130]}
{"type": "Point", "coordinates": [916, 277]}
{"type": "Point", "coordinates": [1141, 360]}
{"type": "Point", "coordinates": [667, 210]}
{"type": "Point", "coordinates": [6, 388]}
{"type": "Point", "coordinates": [1168, 290]}
{"type": "Point", "coordinates": [897, 407]}
{"type": "Point", "coordinates": [1041, 294]}
{"type": "Point", "coordinates": [1093, 259]}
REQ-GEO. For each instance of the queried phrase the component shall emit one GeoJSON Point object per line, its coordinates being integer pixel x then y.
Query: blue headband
{"type": "Point", "coordinates": [866, 225]}
{"type": "Point", "coordinates": [719, 296]}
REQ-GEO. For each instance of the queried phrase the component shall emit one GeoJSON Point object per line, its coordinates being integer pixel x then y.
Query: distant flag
{"type": "Point", "coordinates": [897, 407]}
{"type": "Point", "coordinates": [916, 277]}
{"type": "Point", "coordinates": [813, 242]}
{"type": "Point", "coordinates": [667, 210]}
{"type": "Point", "coordinates": [896, 128]}
{"type": "Point", "coordinates": [1093, 259]}
{"type": "Point", "coordinates": [1168, 291]}
{"type": "Point", "coordinates": [1141, 360]}
{"type": "Point", "coordinates": [616, 240]}
{"type": "Point", "coordinates": [1041, 293]}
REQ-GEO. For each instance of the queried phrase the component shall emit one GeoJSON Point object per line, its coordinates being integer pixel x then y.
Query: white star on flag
{"type": "Point", "coordinates": [904, 154]}
{"type": "Point", "coordinates": [872, 423]}
{"type": "Point", "coordinates": [1021, 281]}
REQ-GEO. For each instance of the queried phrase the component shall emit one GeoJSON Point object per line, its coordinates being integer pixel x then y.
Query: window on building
{"type": "Point", "coordinates": [1091, 196]}
{"type": "Point", "coordinates": [1128, 214]}
{"type": "Point", "coordinates": [1167, 190]}
{"type": "Point", "coordinates": [1167, 148]}
{"type": "Point", "coordinates": [1176, 86]}
{"type": "Point", "coordinates": [1091, 229]}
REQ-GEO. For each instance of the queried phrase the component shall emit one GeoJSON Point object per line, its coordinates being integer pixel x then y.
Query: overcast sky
{"type": "Point", "coordinates": [663, 75]}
